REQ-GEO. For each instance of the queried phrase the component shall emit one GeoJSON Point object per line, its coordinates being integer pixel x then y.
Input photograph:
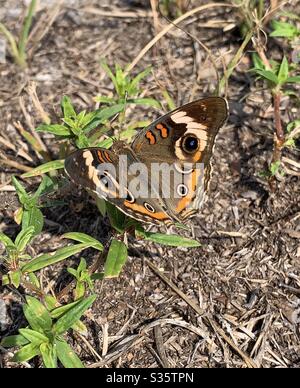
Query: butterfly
{"type": "Point", "coordinates": [179, 143]}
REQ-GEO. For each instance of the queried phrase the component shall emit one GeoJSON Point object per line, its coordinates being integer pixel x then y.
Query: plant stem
{"type": "Point", "coordinates": [10, 38]}
{"type": "Point", "coordinates": [277, 118]}
{"type": "Point", "coordinates": [25, 33]}
{"type": "Point", "coordinates": [233, 63]}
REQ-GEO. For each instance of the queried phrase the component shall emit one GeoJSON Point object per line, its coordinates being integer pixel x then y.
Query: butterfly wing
{"type": "Point", "coordinates": [184, 138]}
{"type": "Point", "coordinates": [102, 172]}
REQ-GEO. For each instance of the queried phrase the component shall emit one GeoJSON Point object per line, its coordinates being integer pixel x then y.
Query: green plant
{"type": "Point", "coordinates": [77, 128]}
{"type": "Point", "coordinates": [18, 46]}
{"type": "Point", "coordinates": [21, 265]}
{"type": "Point", "coordinates": [45, 334]}
{"type": "Point", "coordinates": [127, 89]}
{"type": "Point", "coordinates": [29, 214]}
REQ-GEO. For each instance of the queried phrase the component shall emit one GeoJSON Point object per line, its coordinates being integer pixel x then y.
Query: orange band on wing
{"type": "Point", "coordinates": [100, 156]}
{"type": "Point", "coordinates": [140, 209]}
{"type": "Point", "coordinates": [150, 137]}
{"type": "Point", "coordinates": [107, 157]}
{"type": "Point", "coordinates": [192, 185]}
{"type": "Point", "coordinates": [197, 156]}
{"type": "Point", "coordinates": [163, 131]}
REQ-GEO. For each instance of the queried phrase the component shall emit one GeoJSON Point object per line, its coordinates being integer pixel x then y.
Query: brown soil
{"type": "Point", "coordinates": [246, 275]}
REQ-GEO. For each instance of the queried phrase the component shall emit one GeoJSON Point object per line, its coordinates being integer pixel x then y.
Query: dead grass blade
{"type": "Point", "coordinates": [201, 312]}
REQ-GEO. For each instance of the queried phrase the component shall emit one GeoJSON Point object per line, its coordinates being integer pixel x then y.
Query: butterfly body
{"type": "Point", "coordinates": [162, 177]}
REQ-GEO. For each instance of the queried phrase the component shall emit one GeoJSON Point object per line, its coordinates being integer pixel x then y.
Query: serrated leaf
{"type": "Point", "coordinates": [116, 258]}
{"type": "Point", "coordinates": [47, 259]}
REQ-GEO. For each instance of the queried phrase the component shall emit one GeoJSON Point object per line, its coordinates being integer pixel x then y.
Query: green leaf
{"type": "Point", "coordinates": [45, 187]}
{"type": "Point", "coordinates": [84, 238]}
{"type": "Point", "coordinates": [26, 353]}
{"type": "Point", "coordinates": [50, 302]}
{"type": "Point", "coordinates": [59, 311]}
{"type": "Point", "coordinates": [170, 102]}
{"type": "Point", "coordinates": [37, 315]}
{"type": "Point", "coordinates": [101, 205]}
{"type": "Point", "coordinates": [79, 290]}
{"type": "Point", "coordinates": [110, 74]}
{"type": "Point", "coordinates": [23, 196]}
{"type": "Point", "coordinates": [47, 259]}
{"type": "Point", "coordinates": [73, 315]}
{"type": "Point", "coordinates": [34, 280]}
{"type": "Point", "coordinates": [55, 129]}
{"type": "Point", "coordinates": [293, 80]}
{"type": "Point", "coordinates": [107, 143]}
{"type": "Point", "coordinates": [33, 336]}
{"type": "Point", "coordinates": [284, 29]}
{"type": "Point", "coordinates": [104, 100]}
{"type": "Point", "coordinates": [171, 240]}
{"type": "Point", "coordinates": [13, 341]}
{"type": "Point", "coordinates": [23, 238]}
{"type": "Point", "coordinates": [33, 217]}
{"type": "Point", "coordinates": [268, 75]}
{"type": "Point", "coordinates": [258, 63]}
{"type": "Point", "coordinates": [133, 88]}
{"type": "Point", "coordinates": [45, 168]}
{"type": "Point", "coordinates": [15, 278]}
{"type": "Point", "coordinates": [283, 71]}
{"type": "Point", "coordinates": [80, 327]}
{"type": "Point", "coordinates": [116, 258]}
{"type": "Point", "coordinates": [292, 125]}
{"type": "Point", "coordinates": [102, 115]}
{"type": "Point", "coordinates": [73, 272]}
{"type": "Point", "coordinates": [49, 356]}
{"type": "Point", "coordinates": [67, 108]}
{"type": "Point", "coordinates": [274, 167]}
{"type": "Point", "coordinates": [66, 355]}
{"type": "Point", "coordinates": [116, 217]}
{"type": "Point", "coordinates": [5, 280]}
{"type": "Point", "coordinates": [6, 241]}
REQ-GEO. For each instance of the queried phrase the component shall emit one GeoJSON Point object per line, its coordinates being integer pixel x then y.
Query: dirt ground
{"type": "Point", "coordinates": [246, 274]}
